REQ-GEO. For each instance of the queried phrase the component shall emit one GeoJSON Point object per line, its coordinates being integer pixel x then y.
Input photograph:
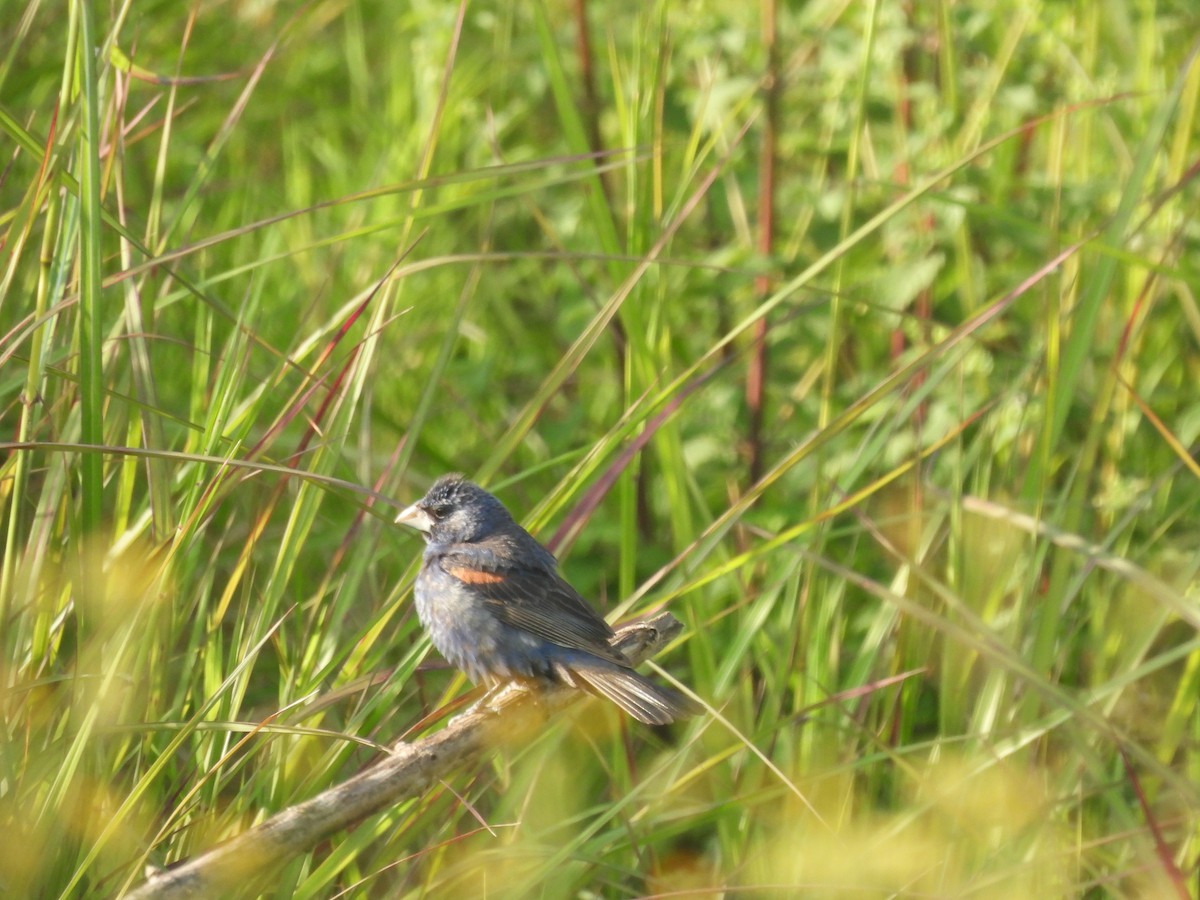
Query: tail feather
{"type": "Point", "coordinates": [646, 701]}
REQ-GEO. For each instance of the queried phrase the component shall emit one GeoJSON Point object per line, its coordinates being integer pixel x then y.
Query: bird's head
{"type": "Point", "coordinates": [456, 511]}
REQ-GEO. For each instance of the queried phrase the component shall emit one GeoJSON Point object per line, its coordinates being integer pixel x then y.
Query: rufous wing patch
{"type": "Point", "coordinates": [474, 576]}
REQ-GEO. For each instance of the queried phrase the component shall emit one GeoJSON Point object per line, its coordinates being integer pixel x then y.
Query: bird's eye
{"type": "Point", "coordinates": [440, 511]}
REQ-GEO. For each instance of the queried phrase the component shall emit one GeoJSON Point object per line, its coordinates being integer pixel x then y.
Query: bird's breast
{"type": "Point", "coordinates": [468, 634]}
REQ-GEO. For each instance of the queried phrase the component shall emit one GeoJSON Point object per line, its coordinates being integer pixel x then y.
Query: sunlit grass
{"type": "Point", "coordinates": [949, 636]}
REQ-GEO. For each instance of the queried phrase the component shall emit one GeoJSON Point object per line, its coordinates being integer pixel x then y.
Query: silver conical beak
{"type": "Point", "coordinates": [415, 517]}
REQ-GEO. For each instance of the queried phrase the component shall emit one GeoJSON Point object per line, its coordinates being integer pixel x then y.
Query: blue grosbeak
{"type": "Point", "coordinates": [494, 605]}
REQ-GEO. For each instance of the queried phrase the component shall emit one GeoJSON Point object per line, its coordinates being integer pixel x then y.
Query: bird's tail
{"type": "Point", "coordinates": [654, 704]}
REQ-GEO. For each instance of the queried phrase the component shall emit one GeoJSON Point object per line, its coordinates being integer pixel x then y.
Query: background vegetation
{"type": "Point", "coordinates": [864, 335]}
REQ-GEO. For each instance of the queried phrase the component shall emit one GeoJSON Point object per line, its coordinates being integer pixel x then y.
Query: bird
{"type": "Point", "coordinates": [495, 606]}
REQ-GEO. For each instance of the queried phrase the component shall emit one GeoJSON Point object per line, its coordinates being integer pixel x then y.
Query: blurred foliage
{"type": "Point", "coordinates": [949, 638]}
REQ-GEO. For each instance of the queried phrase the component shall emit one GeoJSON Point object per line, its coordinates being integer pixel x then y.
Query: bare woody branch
{"type": "Point", "coordinates": [241, 862]}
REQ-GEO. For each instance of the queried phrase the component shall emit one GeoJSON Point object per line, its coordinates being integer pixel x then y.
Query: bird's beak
{"type": "Point", "coordinates": [415, 517]}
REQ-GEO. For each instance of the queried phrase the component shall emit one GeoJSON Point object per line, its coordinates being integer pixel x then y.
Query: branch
{"type": "Point", "coordinates": [409, 771]}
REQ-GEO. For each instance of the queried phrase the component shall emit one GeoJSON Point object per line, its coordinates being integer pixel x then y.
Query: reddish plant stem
{"type": "Point", "coordinates": [756, 375]}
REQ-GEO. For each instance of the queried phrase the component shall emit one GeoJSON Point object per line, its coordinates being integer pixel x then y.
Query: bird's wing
{"type": "Point", "coordinates": [533, 598]}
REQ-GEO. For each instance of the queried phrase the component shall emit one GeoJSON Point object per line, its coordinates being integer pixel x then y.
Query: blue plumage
{"type": "Point", "coordinates": [494, 605]}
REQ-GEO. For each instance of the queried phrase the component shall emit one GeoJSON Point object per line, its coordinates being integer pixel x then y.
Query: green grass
{"type": "Point", "coordinates": [269, 271]}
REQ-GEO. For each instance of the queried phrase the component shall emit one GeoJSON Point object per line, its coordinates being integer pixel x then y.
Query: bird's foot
{"type": "Point", "coordinates": [485, 704]}
{"type": "Point", "coordinates": [499, 696]}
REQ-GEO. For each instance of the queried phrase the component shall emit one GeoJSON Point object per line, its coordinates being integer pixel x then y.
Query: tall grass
{"type": "Point", "coordinates": [874, 356]}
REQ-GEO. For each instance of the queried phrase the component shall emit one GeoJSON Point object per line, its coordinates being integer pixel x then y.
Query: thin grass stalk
{"type": "Point", "coordinates": [91, 331]}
